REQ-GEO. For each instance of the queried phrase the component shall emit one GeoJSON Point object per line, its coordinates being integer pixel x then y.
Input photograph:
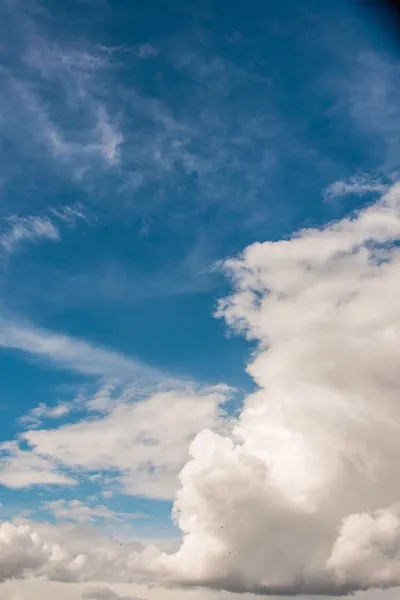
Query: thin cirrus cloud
{"type": "Point", "coordinates": [97, 126]}
{"type": "Point", "coordinates": [357, 185]}
{"type": "Point", "coordinates": [79, 133]}
{"type": "Point", "coordinates": [19, 230]}
{"type": "Point", "coordinates": [73, 354]}
{"type": "Point", "coordinates": [16, 231]}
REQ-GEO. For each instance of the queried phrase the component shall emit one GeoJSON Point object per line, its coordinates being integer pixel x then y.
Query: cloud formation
{"type": "Point", "coordinates": [26, 229]}
{"type": "Point", "coordinates": [143, 442]}
{"type": "Point", "coordinates": [357, 185]}
{"type": "Point", "coordinates": [53, 97]}
{"type": "Point", "coordinates": [303, 498]}
{"type": "Point", "coordinates": [15, 230]}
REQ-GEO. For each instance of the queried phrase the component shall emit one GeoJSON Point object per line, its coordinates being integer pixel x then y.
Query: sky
{"type": "Point", "coordinates": [199, 300]}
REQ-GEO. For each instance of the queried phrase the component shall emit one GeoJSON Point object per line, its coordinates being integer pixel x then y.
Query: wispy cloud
{"type": "Point", "coordinates": [369, 97]}
{"type": "Point", "coordinates": [77, 131]}
{"type": "Point", "coordinates": [97, 139]}
{"type": "Point", "coordinates": [15, 231]}
{"type": "Point", "coordinates": [146, 50]}
{"type": "Point", "coordinates": [26, 229]}
{"type": "Point", "coordinates": [35, 417]}
{"type": "Point", "coordinates": [65, 352]}
{"type": "Point", "coordinates": [72, 214]}
{"type": "Point", "coordinates": [80, 512]}
{"type": "Point", "coordinates": [358, 185]}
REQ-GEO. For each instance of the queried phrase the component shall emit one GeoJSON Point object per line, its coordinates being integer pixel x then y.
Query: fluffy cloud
{"type": "Point", "coordinates": [145, 442]}
{"type": "Point", "coordinates": [68, 554]}
{"type": "Point", "coordinates": [302, 498]}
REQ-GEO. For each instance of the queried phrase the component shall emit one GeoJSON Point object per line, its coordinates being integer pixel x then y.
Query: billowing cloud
{"type": "Point", "coordinates": [303, 498]}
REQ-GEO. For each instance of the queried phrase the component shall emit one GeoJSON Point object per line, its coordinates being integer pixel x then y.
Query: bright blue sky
{"type": "Point", "coordinates": [141, 143]}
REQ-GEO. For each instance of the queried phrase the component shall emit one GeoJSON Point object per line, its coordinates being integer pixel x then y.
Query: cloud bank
{"type": "Point", "coordinates": [303, 496]}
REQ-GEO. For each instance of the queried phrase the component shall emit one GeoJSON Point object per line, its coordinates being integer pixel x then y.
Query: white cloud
{"type": "Point", "coordinates": [357, 185]}
{"type": "Point", "coordinates": [35, 416]}
{"type": "Point", "coordinates": [79, 512]}
{"type": "Point", "coordinates": [74, 354]}
{"type": "Point", "coordinates": [367, 550]}
{"type": "Point", "coordinates": [71, 214]}
{"type": "Point", "coordinates": [145, 442]}
{"type": "Point", "coordinates": [15, 231]}
{"type": "Point", "coordinates": [20, 230]}
{"type": "Point", "coordinates": [295, 501]}
{"type": "Point", "coordinates": [67, 553]}
{"type": "Point", "coordinates": [19, 466]}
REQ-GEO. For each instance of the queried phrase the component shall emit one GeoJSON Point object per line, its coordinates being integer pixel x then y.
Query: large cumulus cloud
{"type": "Point", "coordinates": [304, 496]}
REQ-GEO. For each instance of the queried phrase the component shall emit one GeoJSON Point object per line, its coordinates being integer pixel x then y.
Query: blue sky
{"type": "Point", "coordinates": [142, 144]}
